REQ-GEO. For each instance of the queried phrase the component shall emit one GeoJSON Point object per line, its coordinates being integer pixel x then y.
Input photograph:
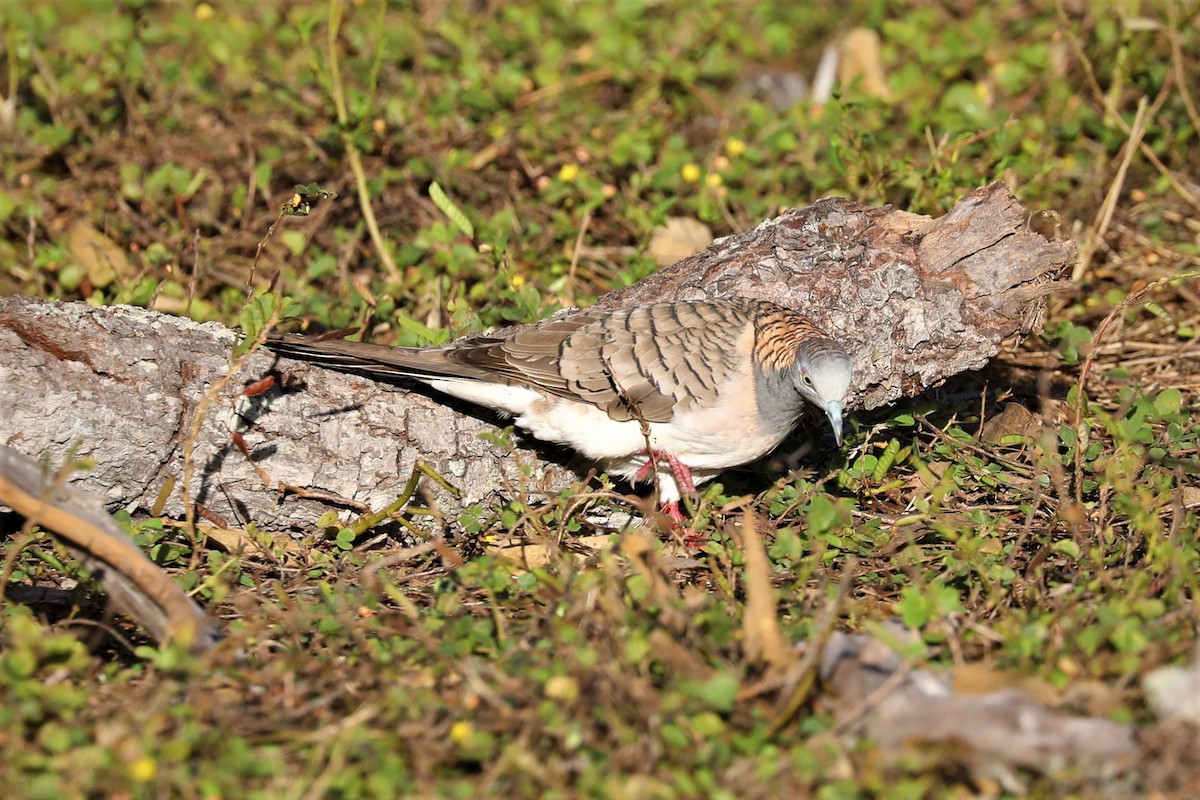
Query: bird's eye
{"type": "Point", "coordinates": [807, 380]}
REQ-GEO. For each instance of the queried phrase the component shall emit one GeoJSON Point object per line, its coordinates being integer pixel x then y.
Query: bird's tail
{"type": "Point", "coordinates": [376, 361]}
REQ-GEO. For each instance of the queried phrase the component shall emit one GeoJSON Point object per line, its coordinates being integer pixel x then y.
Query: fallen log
{"type": "Point", "coordinates": [914, 299]}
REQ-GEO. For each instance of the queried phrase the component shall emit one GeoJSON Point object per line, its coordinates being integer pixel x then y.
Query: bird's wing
{"type": "Point", "coordinates": [645, 363]}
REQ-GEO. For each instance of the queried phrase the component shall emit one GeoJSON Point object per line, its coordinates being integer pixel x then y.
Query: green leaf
{"type": "Point", "coordinates": [825, 514]}
{"type": "Point", "coordinates": [914, 608]}
{"type": "Point", "coordinates": [294, 240]}
{"type": "Point", "coordinates": [423, 333]}
{"type": "Point", "coordinates": [719, 692]}
{"type": "Point", "coordinates": [886, 460]}
{"type": "Point", "coordinates": [447, 207]}
{"type": "Point", "coordinates": [921, 605]}
{"type": "Point", "coordinates": [1066, 547]}
{"type": "Point", "coordinates": [1168, 402]}
{"type": "Point", "coordinates": [1067, 435]}
{"type": "Point", "coordinates": [20, 663]}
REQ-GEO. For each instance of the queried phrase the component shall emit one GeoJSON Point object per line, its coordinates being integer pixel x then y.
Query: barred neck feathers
{"type": "Point", "coordinates": [791, 357]}
{"type": "Point", "coordinates": [778, 336]}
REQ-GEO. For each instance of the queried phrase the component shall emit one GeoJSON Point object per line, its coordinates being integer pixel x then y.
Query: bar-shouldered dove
{"type": "Point", "coordinates": [686, 389]}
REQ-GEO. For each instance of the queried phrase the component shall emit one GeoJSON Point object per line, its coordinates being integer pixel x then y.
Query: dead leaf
{"type": "Point", "coordinates": [1014, 418]}
{"type": "Point", "coordinates": [532, 555]}
{"type": "Point", "coordinates": [528, 555]}
{"type": "Point", "coordinates": [678, 239]}
{"type": "Point", "coordinates": [683, 660]}
{"type": "Point", "coordinates": [760, 629]}
{"type": "Point", "coordinates": [638, 545]}
{"type": "Point", "coordinates": [861, 58]}
{"type": "Point", "coordinates": [973, 679]}
{"type": "Point", "coordinates": [1189, 496]}
{"type": "Point", "coordinates": [101, 258]}
{"type": "Point", "coordinates": [1093, 697]}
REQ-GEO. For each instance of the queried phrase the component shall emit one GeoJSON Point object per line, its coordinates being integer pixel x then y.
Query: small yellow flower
{"type": "Point", "coordinates": [143, 769]}
{"type": "Point", "coordinates": [735, 147]}
{"type": "Point", "coordinates": [568, 173]}
{"type": "Point", "coordinates": [690, 173]}
{"type": "Point", "coordinates": [461, 731]}
{"type": "Point", "coordinates": [517, 281]}
{"type": "Point", "coordinates": [712, 180]}
{"type": "Point", "coordinates": [204, 12]}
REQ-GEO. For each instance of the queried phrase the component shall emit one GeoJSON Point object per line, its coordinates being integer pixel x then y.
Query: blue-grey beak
{"type": "Point", "coordinates": [833, 410]}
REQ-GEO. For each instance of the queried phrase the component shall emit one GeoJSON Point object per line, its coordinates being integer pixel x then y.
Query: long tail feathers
{"type": "Point", "coordinates": [372, 360]}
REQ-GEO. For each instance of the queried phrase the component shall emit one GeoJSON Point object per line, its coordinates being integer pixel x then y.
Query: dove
{"type": "Point", "coordinates": [681, 390]}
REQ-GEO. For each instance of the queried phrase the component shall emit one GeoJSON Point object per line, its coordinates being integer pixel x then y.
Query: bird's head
{"type": "Point", "coordinates": [823, 377]}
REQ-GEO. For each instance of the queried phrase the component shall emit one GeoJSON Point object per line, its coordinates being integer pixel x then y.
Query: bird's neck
{"type": "Point", "coordinates": [779, 404]}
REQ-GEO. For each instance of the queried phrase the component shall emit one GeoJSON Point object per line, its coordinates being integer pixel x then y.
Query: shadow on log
{"type": "Point", "coordinates": [914, 299]}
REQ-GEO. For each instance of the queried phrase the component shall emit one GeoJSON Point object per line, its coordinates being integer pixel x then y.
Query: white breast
{"type": "Point", "coordinates": [705, 440]}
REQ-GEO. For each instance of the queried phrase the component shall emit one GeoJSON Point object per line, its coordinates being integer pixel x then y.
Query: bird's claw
{"type": "Point", "coordinates": [691, 539]}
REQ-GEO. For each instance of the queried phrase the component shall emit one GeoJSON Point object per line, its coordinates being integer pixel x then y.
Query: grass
{"type": "Point", "coordinates": [1063, 549]}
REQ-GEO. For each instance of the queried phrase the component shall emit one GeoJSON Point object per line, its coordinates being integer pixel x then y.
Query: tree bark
{"type": "Point", "coordinates": [914, 299]}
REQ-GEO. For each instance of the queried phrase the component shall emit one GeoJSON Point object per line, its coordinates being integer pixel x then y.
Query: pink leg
{"type": "Point", "coordinates": [683, 475]}
{"type": "Point", "coordinates": [685, 482]}
{"type": "Point", "coordinates": [691, 539]}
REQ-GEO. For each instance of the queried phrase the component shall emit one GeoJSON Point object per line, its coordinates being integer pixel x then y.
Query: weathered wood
{"type": "Point", "coordinates": [916, 300]}
{"type": "Point", "coordinates": [134, 583]}
{"type": "Point", "coordinates": [122, 384]}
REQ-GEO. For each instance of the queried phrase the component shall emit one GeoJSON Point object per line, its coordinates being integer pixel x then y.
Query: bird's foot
{"type": "Point", "coordinates": [691, 539]}
{"type": "Point", "coordinates": [671, 509]}
{"type": "Point", "coordinates": [683, 475]}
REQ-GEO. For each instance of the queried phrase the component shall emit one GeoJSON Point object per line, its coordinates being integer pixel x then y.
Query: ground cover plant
{"type": "Point", "coordinates": [472, 164]}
